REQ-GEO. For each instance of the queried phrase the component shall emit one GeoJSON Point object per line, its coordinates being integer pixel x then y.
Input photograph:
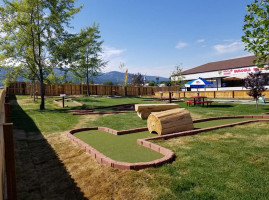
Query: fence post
{"type": "Point", "coordinates": [170, 97]}
{"type": "Point", "coordinates": [7, 113]}
{"type": "Point", "coordinates": [10, 161]}
{"type": "Point", "coordinates": [6, 99]}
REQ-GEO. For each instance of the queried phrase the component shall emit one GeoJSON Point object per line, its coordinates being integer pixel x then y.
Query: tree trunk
{"type": "Point", "coordinates": [34, 94]}
{"type": "Point", "coordinates": [87, 73]}
{"type": "Point", "coordinates": [87, 83]}
{"type": "Point", "coordinates": [256, 103]}
{"type": "Point", "coordinates": [31, 89]}
{"type": "Point", "coordinates": [42, 91]}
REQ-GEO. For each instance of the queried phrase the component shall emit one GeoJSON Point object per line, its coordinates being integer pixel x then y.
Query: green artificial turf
{"type": "Point", "coordinates": [121, 148]}
{"type": "Point", "coordinates": [124, 147]}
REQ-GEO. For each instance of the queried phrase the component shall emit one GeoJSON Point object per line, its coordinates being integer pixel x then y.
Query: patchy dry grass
{"type": "Point", "coordinates": [229, 163]}
{"type": "Point", "coordinates": [96, 181]}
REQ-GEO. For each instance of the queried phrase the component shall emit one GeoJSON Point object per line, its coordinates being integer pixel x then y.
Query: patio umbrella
{"type": "Point", "coordinates": [198, 83]}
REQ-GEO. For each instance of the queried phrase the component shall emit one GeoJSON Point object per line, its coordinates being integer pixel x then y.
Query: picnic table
{"type": "Point", "coordinates": [198, 100]}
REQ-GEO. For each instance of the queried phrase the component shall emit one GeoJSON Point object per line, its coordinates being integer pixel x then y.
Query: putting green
{"type": "Point", "coordinates": [125, 148]}
{"type": "Point", "coordinates": [120, 147]}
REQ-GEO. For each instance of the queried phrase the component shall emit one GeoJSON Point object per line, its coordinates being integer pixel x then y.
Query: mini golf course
{"type": "Point", "coordinates": [125, 148]}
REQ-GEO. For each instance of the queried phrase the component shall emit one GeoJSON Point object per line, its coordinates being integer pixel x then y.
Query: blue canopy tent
{"type": "Point", "coordinates": [198, 83]}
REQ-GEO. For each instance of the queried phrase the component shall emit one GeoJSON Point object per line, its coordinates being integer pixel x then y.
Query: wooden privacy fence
{"type": "Point", "coordinates": [7, 154]}
{"type": "Point", "coordinates": [229, 94]}
{"type": "Point", "coordinates": [24, 88]}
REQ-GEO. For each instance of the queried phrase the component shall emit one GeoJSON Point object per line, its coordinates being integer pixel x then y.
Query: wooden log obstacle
{"type": "Point", "coordinates": [170, 121]}
{"type": "Point", "coordinates": [144, 110]}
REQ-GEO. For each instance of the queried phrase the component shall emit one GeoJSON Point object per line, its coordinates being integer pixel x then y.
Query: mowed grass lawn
{"type": "Point", "coordinates": [229, 163]}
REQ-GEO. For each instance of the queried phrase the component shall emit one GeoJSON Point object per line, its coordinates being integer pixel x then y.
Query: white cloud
{"type": "Point", "coordinates": [110, 52]}
{"type": "Point", "coordinates": [114, 57]}
{"type": "Point", "coordinates": [229, 48]}
{"type": "Point", "coordinates": [200, 40]}
{"type": "Point", "coordinates": [181, 45]}
{"type": "Point", "coordinates": [162, 71]}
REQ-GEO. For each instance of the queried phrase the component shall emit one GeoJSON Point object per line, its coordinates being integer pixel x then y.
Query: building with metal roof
{"type": "Point", "coordinates": [226, 74]}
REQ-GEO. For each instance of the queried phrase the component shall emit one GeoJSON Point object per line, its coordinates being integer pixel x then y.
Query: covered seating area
{"type": "Point", "coordinates": [198, 100]}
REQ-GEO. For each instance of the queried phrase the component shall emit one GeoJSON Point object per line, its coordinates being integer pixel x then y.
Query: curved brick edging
{"type": "Point", "coordinates": [169, 156]}
{"type": "Point", "coordinates": [103, 160]}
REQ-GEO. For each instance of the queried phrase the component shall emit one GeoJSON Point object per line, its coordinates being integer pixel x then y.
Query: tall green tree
{"type": "Point", "coordinates": [29, 31]}
{"type": "Point", "coordinates": [256, 30]}
{"type": "Point", "coordinates": [177, 77]}
{"type": "Point", "coordinates": [86, 60]}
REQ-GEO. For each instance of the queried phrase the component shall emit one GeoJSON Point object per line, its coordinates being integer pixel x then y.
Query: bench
{"type": "Point", "coordinates": [203, 102]}
{"type": "Point", "coordinates": [189, 102]}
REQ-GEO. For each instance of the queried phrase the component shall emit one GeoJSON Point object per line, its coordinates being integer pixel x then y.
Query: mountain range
{"type": "Point", "coordinates": [119, 77]}
{"type": "Point", "coordinates": [114, 76]}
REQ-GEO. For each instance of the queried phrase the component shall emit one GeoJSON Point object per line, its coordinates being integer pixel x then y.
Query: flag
{"type": "Point", "coordinates": [126, 76]}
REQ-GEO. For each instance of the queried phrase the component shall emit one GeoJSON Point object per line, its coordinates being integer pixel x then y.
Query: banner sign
{"type": "Point", "coordinates": [126, 76]}
{"type": "Point", "coordinates": [241, 70]}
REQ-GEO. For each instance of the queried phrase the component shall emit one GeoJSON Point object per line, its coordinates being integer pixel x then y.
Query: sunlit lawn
{"type": "Point", "coordinates": [229, 163]}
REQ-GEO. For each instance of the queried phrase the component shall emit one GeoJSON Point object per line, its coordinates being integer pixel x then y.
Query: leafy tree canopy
{"type": "Point", "coordinates": [255, 82]}
{"type": "Point", "coordinates": [176, 77]}
{"type": "Point", "coordinates": [30, 29]}
{"type": "Point", "coordinates": [256, 30]}
{"type": "Point", "coordinates": [82, 52]}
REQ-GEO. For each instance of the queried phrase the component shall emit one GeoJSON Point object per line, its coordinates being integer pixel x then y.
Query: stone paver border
{"type": "Point", "coordinates": [169, 155]}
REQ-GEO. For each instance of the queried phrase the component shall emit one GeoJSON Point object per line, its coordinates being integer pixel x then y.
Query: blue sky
{"type": "Point", "coordinates": [153, 36]}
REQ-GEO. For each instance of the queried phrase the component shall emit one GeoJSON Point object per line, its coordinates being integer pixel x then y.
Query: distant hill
{"type": "Point", "coordinates": [119, 77]}
{"type": "Point", "coordinates": [114, 76]}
